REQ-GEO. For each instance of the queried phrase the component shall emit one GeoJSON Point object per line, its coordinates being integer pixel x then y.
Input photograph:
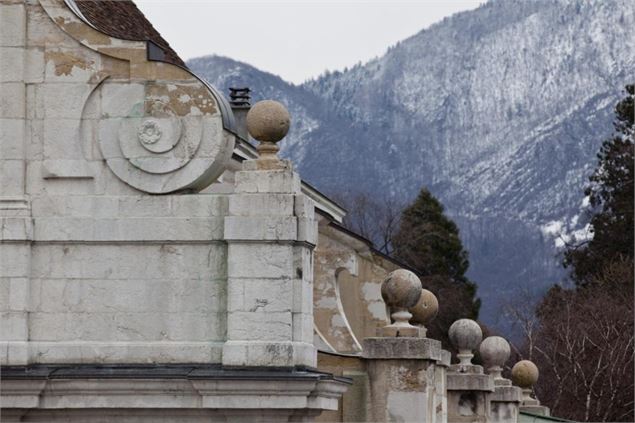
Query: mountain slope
{"type": "Point", "coordinates": [499, 111]}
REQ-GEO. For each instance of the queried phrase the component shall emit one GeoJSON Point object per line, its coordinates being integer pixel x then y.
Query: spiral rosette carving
{"type": "Point", "coordinates": [162, 137]}
{"type": "Point", "coordinates": [150, 133]}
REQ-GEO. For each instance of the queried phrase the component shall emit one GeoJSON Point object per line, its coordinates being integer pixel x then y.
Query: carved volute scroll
{"type": "Point", "coordinates": [158, 127]}
{"type": "Point", "coordinates": [160, 136]}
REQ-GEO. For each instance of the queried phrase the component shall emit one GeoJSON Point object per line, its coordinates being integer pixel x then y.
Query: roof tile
{"type": "Point", "coordinates": [123, 19]}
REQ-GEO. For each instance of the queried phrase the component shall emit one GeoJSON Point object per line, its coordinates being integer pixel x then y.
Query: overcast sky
{"type": "Point", "coordinates": [296, 39]}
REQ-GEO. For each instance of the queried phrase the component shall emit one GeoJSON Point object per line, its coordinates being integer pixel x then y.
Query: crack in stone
{"type": "Point", "coordinates": [260, 303]}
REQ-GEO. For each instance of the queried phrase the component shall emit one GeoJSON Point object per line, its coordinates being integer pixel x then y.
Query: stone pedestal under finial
{"type": "Point", "coordinates": [271, 233]}
{"type": "Point", "coordinates": [505, 399]}
{"type": "Point", "coordinates": [424, 311]}
{"type": "Point", "coordinates": [406, 372]}
{"type": "Point", "coordinates": [525, 375]}
{"type": "Point", "coordinates": [468, 387]}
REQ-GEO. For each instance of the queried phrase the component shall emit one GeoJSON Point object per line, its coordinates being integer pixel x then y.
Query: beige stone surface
{"type": "Point", "coordinates": [426, 308]}
{"type": "Point", "coordinates": [268, 121]}
{"type": "Point", "coordinates": [401, 289]}
{"type": "Point", "coordinates": [11, 64]}
{"type": "Point", "coordinates": [525, 374]}
{"type": "Point", "coordinates": [13, 24]}
{"type": "Point", "coordinates": [465, 335]}
{"type": "Point", "coordinates": [330, 317]}
{"type": "Point", "coordinates": [12, 100]}
{"type": "Point", "coordinates": [494, 351]}
{"type": "Point", "coordinates": [504, 404]}
{"type": "Point", "coordinates": [69, 60]}
{"type": "Point", "coordinates": [353, 406]}
{"type": "Point", "coordinates": [407, 384]}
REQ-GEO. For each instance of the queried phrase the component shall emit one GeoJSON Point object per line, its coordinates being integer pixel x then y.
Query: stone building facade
{"type": "Point", "coordinates": [156, 266]}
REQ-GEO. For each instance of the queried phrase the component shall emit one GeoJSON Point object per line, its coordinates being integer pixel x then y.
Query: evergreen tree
{"type": "Point", "coordinates": [611, 196]}
{"type": "Point", "coordinates": [429, 242]}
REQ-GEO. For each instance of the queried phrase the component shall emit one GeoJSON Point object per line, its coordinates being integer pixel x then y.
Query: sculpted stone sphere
{"type": "Point", "coordinates": [426, 308]}
{"type": "Point", "coordinates": [268, 121]}
{"type": "Point", "coordinates": [465, 335]}
{"type": "Point", "coordinates": [494, 352]}
{"type": "Point", "coordinates": [401, 289]}
{"type": "Point", "coordinates": [525, 374]}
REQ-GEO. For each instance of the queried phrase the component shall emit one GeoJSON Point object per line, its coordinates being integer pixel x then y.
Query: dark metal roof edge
{"type": "Point", "coordinates": [374, 250]}
{"type": "Point", "coordinates": [227, 114]}
{"type": "Point", "coordinates": [325, 196]}
{"type": "Point", "coordinates": [158, 371]}
{"type": "Point", "coordinates": [339, 354]}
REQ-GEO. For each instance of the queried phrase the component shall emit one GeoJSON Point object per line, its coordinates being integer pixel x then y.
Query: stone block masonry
{"type": "Point", "coordinates": [129, 292]}
{"type": "Point", "coordinates": [270, 291]}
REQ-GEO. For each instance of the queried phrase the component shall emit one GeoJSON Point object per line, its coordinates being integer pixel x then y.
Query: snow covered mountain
{"type": "Point", "coordinates": [499, 111]}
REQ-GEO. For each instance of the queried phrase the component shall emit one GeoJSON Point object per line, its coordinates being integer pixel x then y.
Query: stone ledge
{"type": "Point", "coordinates": [262, 228]}
{"type": "Point", "coordinates": [189, 371]}
{"type": "Point", "coordinates": [61, 353]}
{"type": "Point", "coordinates": [179, 386]}
{"type": "Point", "coordinates": [468, 369]}
{"type": "Point", "coordinates": [506, 394]}
{"type": "Point", "coordinates": [402, 348]}
{"type": "Point", "coordinates": [242, 353]}
{"type": "Point", "coordinates": [470, 382]}
{"type": "Point", "coordinates": [536, 410]}
{"type": "Point", "coordinates": [137, 229]}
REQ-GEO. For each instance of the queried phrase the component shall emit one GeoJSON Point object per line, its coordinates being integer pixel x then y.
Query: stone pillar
{"type": "Point", "coordinates": [468, 388]}
{"type": "Point", "coordinates": [13, 107]}
{"type": "Point", "coordinates": [406, 373]}
{"type": "Point", "coordinates": [16, 231]}
{"type": "Point", "coordinates": [271, 233]}
{"type": "Point", "coordinates": [525, 375]}
{"type": "Point", "coordinates": [505, 399]}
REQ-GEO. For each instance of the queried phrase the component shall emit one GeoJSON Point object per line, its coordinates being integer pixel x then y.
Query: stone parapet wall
{"type": "Point", "coordinates": [117, 279]}
{"type": "Point", "coordinates": [92, 267]}
{"type": "Point", "coordinates": [271, 233]}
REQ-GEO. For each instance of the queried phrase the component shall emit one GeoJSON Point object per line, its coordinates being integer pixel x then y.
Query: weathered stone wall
{"type": "Point", "coordinates": [271, 233]}
{"type": "Point", "coordinates": [149, 285]}
{"type": "Point", "coordinates": [92, 267]}
{"type": "Point", "coordinates": [353, 404]}
{"type": "Point", "coordinates": [347, 288]}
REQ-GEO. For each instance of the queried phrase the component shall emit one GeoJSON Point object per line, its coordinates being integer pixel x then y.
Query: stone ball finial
{"type": "Point", "coordinates": [495, 351]}
{"type": "Point", "coordinates": [525, 374]}
{"type": "Point", "coordinates": [465, 335]}
{"type": "Point", "coordinates": [425, 310]}
{"type": "Point", "coordinates": [401, 290]}
{"type": "Point", "coordinates": [268, 121]}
